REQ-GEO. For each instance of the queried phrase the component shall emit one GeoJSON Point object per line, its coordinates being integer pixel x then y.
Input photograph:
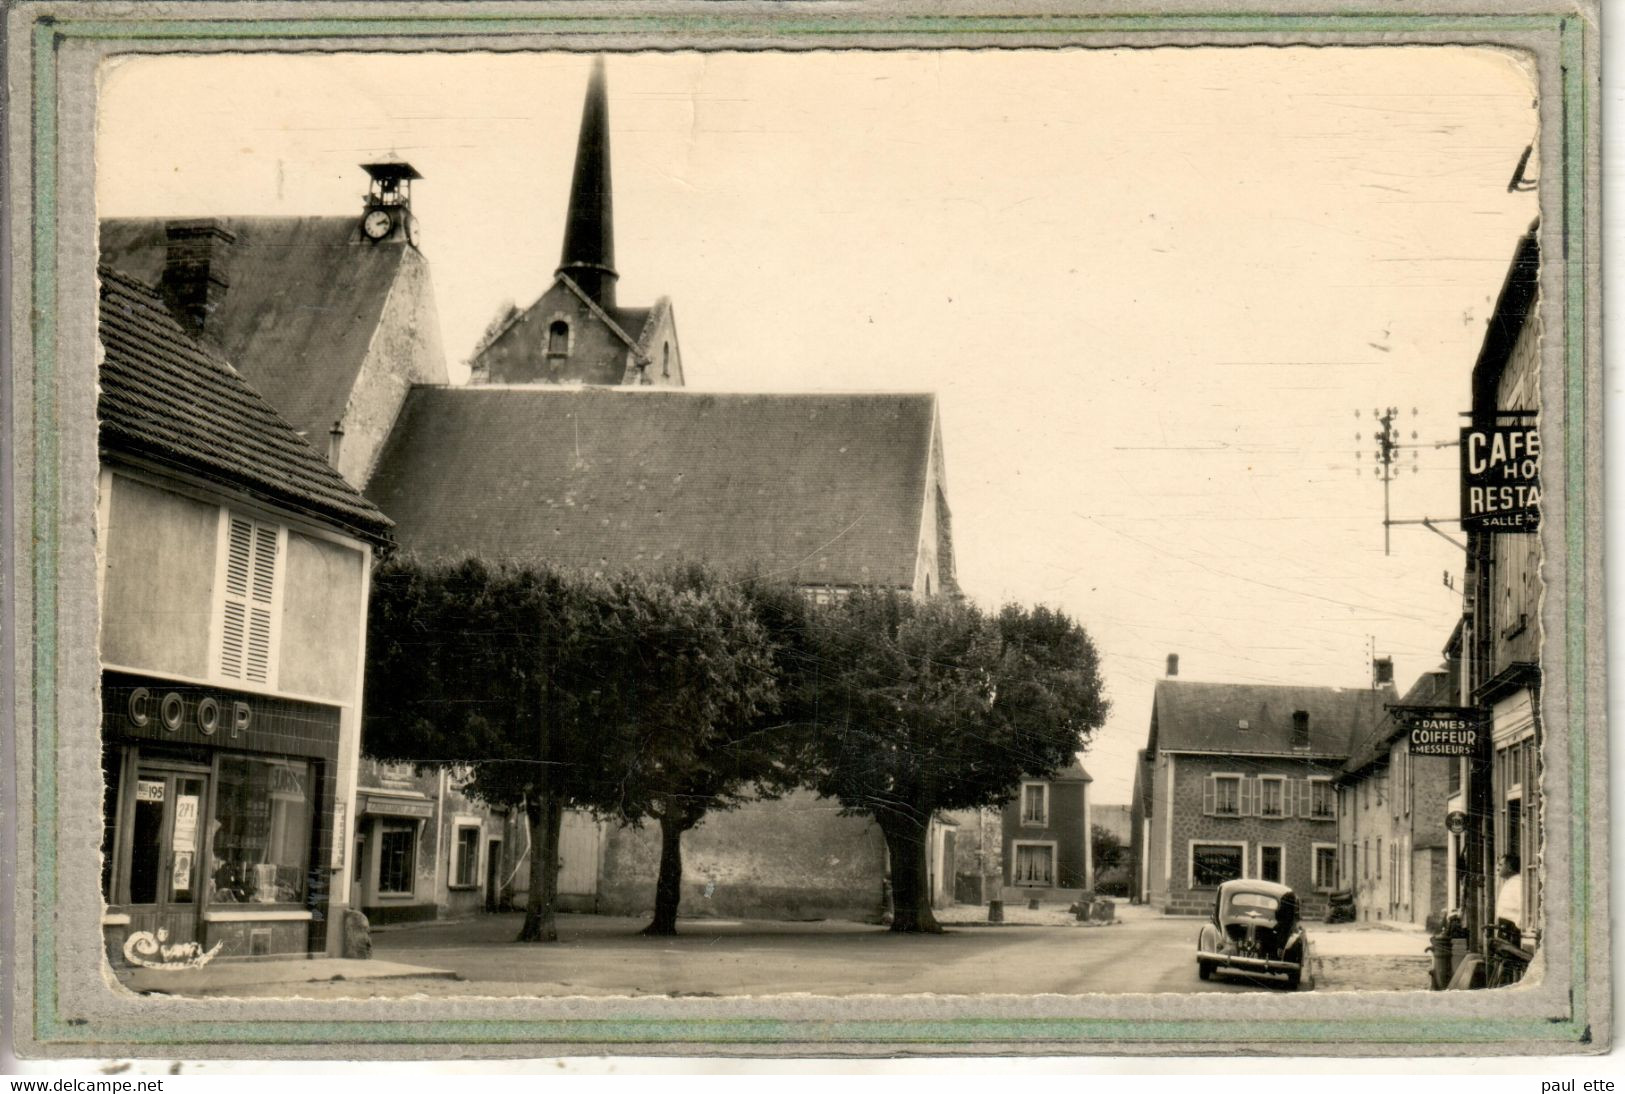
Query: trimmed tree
{"type": "Point", "coordinates": [1106, 850]}
{"type": "Point", "coordinates": [558, 690]}
{"type": "Point", "coordinates": [922, 705]}
{"type": "Point", "coordinates": [703, 696]}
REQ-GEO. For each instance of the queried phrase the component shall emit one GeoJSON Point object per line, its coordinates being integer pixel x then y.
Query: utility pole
{"type": "Point", "coordinates": [1389, 463]}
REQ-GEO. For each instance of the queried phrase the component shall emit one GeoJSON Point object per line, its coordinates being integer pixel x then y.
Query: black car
{"type": "Point", "coordinates": [1254, 930]}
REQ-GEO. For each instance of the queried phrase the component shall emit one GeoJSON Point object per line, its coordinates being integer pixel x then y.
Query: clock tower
{"type": "Point", "coordinates": [388, 211]}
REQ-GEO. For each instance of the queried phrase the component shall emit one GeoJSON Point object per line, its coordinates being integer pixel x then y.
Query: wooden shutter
{"type": "Point", "coordinates": [1249, 797]}
{"type": "Point", "coordinates": [1209, 792]}
{"type": "Point", "coordinates": [246, 618]}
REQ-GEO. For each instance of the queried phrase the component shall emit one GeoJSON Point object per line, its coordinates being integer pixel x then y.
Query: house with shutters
{"type": "Point", "coordinates": [1236, 780]}
{"type": "Point", "coordinates": [1393, 850]}
{"type": "Point", "coordinates": [233, 566]}
{"type": "Point", "coordinates": [1046, 848]}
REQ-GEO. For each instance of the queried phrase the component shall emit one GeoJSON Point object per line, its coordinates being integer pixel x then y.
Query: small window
{"type": "Point", "coordinates": [397, 851]}
{"type": "Point", "coordinates": [1227, 796]}
{"type": "Point", "coordinates": [1269, 863]}
{"type": "Point", "coordinates": [1213, 864]}
{"type": "Point", "coordinates": [465, 857]}
{"type": "Point", "coordinates": [558, 339]}
{"type": "Point", "coordinates": [1035, 803]}
{"type": "Point", "coordinates": [1034, 864]}
{"type": "Point", "coordinates": [1272, 798]}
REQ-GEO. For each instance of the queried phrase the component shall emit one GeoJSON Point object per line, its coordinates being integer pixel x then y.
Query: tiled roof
{"type": "Point", "coordinates": [818, 489]}
{"type": "Point", "coordinates": [1189, 716]}
{"type": "Point", "coordinates": [166, 398]}
{"type": "Point", "coordinates": [305, 300]}
{"type": "Point", "coordinates": [1431, 689]}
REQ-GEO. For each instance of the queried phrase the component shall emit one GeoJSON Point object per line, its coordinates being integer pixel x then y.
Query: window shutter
{"type": "Point", "coordinates": [1306, 793]}
{"type": "Point", "coordinates": [247, 600]}
{"type": "Point", "coordinates": [1249, 797]}
{"type": "Point", "coordinates": [1209, 788]}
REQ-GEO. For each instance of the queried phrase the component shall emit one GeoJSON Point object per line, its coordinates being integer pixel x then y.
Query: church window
{"type": "Point", "coordinates": [558, 339]}
{"type": "Point", "coordinates": [665, 359]}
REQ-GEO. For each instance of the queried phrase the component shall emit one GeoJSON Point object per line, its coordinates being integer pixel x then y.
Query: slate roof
{"type": "Point", "coordinates": [817, 489]}
{"type": "Point", "coordinates": [305, 299]}
{"type": "Point", "coordinates": [166, 398]}
{"type": "Point", "coordinates": [1190, 716]}
{"type": "Point", "coordinates": [1431, 689]}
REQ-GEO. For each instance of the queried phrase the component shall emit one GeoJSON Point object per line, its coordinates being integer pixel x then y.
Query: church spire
{"type": "Point", "coordinates": [589, 231]}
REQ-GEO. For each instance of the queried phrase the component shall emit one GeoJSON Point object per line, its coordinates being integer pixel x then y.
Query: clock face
{"type": "Point", "coordinates": [377, 224]}
{"type": "Point", "coordinates": [413, 235]}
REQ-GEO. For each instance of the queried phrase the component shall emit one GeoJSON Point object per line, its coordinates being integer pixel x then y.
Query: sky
{"type": "Point", "coordinates": [1158, 292]}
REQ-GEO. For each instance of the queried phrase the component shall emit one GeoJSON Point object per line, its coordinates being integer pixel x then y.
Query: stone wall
{"type": "Point", "coordinates": [797, 858]}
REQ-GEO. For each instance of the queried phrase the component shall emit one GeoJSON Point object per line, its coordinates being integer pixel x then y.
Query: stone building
{"type": "Point", "coordinates": [1236, 780]}
{"type": "Point", "coordinates": [1393, 850]}
{"type": "Point", "coordinates": [576, 331]}
{"type": "Point", "coordinates": [829, 492]}
{"type": "Point", "coordinates": [233, 571]}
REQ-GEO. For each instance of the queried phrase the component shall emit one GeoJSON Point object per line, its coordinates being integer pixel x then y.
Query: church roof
{"type": "Point", "coordinates": [817, 489]}
{"type": "Point", "coordinates": [305, 299]}
{"type": "Point", "coordinates": [168, 399]}
{"type": "Point", "coordinates": [1188, 716]}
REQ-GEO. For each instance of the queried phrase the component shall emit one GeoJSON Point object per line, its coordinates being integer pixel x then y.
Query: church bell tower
{"type": "Point", "coordinates": [589, 231]}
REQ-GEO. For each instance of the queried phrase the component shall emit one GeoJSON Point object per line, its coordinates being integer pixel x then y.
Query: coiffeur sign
{"type": "Point", "coordinates": [1442, 731]}
{"type": "Point", "coordinates": [1500, 478]}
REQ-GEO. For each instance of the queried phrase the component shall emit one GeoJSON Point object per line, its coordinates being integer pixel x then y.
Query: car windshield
{"type": "Point", "coordinates": [1254, 900]}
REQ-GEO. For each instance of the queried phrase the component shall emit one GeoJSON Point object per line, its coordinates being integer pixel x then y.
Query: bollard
{"type": "Point", "coordinates": [1033, 905]}
{"type": "Point", "coordinates": [995, 911]}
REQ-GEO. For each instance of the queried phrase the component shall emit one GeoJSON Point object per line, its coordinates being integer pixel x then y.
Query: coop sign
{"type": "Point", "coordinates": [1441, 731]}
{"type": "Point", "coordinates": [1500, 478]}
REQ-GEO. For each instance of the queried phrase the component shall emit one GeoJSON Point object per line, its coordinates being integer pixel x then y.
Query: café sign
{"type": "Point", "coordinates": [1442, 731]}
{"type": "Point", "coordinates": [1500, 478]}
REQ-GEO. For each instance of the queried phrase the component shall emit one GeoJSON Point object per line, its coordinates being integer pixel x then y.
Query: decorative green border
{"type": "Point", "coordinates": [796, 30]}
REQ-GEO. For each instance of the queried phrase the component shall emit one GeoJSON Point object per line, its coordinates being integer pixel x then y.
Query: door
{"type": "Point", "coordinates": [165, 880]}
{"type": "Point", "coordinates": [1269, 863]}
{"type": "Point", "coordinates": [493, 875]}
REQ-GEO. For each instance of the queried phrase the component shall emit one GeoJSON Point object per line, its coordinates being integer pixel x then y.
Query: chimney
{"type": "Point", "coordinates": [195, 280]}
{"type": "Point", "coordinates": [1173, 664]}
{"type": "Point", "coordinates": [335, 441]}
{"type": "Point", "coordinates": [1300, 729]}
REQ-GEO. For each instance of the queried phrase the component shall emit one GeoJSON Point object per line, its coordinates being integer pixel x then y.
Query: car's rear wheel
{"type": "Point", "coordinates": [1204, 970]}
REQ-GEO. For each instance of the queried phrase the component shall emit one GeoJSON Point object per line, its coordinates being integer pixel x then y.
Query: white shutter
{"type": "Point", "coordinates": [1208, 794]}
{"type": "Point", "coordinates": [247, 615]}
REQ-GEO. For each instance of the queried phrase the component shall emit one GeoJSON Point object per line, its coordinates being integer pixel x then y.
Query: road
{"type": "Point", "coordinates": [600, 955]}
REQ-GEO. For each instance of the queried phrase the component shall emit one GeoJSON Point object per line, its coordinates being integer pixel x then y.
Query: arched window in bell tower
{"type": "Point", "coordinates": [558, 339]}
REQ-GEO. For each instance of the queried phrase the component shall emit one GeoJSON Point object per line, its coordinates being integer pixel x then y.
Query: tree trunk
{"type": "Point", "coordinates": [908, 844]}
{"type": "Point", "coordinates": [541, 903]}
{"type": "Point", "coordinates": [669, 886]}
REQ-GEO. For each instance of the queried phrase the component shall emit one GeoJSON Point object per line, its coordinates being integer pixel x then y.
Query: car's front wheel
{"type": "Point", "coordinates": [1204, 970]}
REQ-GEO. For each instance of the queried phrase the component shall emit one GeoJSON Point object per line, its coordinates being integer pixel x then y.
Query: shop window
{"type": "Point", "coordinates": [1272, 797]}
{"type": "Point", "coordinates": [1034, 864]}
{"type": "Point", "coordinates": [1325, 867]}
{"type": "Point", "coordinates": [1035, 804]}
{"type": "Point", "coordinates": [247, 602]}
{"type": "Point", "coordinates": [465, 857]}
{"type": "Point", "coordinates": [262, 827]}
{"type": "Point", "coordinates": [397, 850]}
{"type": "Point", "coordinates": [1212, 864]}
